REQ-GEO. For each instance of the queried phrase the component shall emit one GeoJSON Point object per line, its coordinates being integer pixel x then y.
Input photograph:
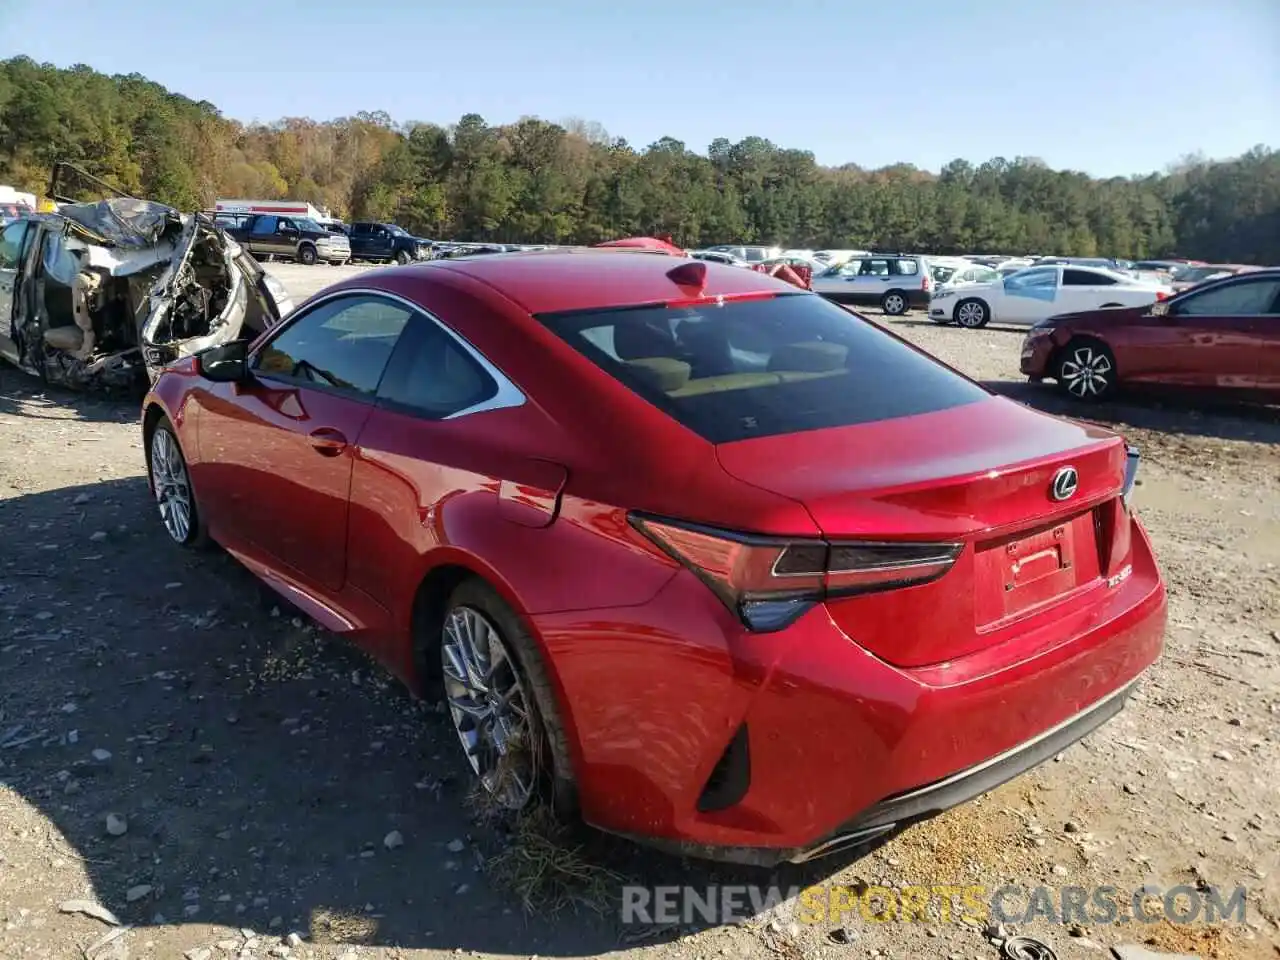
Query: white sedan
{"type": "Point", "coordinates": [1029, 296]}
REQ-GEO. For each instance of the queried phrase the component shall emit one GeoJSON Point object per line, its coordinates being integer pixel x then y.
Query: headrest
{"type": "Point", "coordinates": [637, 340]}
{"type": "Point", "coordinates": [665, 373]}
{"type": "Point", "coordinates": [812, 357]}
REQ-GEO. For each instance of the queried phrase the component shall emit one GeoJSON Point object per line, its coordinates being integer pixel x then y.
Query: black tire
{"type": "Point", "coordinates": [307, 254]}
{"type": "Point", "coordinates": [894, 303]}
{"type": "Point", "coordinates": [972, 313]}
{"type": "Point", "coordinates": [556, 784]}
{"type": "Point", "coordinates": [1086, 370]}
{"type": "Point", "coordinates": [162, 433]}
{"type": "Point", "coordinates": [402, 257]}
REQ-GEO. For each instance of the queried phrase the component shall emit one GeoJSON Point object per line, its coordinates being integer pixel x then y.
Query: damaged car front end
{"type": "Point", "coordinates": [105, 295]}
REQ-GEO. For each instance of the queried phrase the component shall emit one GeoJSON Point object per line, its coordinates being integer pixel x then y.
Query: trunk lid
{"type": "Point", "coordinates": [981, 474]}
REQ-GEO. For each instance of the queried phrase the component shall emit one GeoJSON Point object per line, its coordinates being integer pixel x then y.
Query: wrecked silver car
{"type": "Point", "coordinates": [104, 295]}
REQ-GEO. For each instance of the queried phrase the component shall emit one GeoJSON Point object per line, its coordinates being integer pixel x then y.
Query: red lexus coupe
{"type": "Point", "coordinates": [689, 552]}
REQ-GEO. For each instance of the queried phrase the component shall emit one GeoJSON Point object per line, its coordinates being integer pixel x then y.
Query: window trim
{"type": "Point", "coordinates": [508, 395]}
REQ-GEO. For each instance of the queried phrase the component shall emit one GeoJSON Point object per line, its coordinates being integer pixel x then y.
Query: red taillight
{"type": "Point", "coordinates": [1161, 295]}
{"type": "Point", "coordinates": [926, 283]}
{"type": "Point", "coordinates": [768, 582]}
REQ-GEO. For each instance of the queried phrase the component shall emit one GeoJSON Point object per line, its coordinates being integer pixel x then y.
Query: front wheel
{"type": "Point", "coordinates": [402, 257]}
{"type": "Point", "coordinates": [307, 255]}
{"type": "Point", "coordinates": [972, 314]}
{"type": "Point", "coordinates": [1086, 370]}
{"type": "Point", "coordinates": [894, 303]}
{"type": "Point", "coordinates": [502, 702]}
{"type": "Point", "coordinates": [171, 484]}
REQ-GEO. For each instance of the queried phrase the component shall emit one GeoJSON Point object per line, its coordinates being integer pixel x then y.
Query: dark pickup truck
{"type": "Point", "coordinates": [266, 236]}
{"type": "Point", "coordinates": [385, 242]}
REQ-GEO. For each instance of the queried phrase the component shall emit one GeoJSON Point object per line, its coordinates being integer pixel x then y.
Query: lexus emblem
{"type": "Point", "coordinates": [1065, 482]}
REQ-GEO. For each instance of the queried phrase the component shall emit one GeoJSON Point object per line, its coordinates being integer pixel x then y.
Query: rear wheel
{"type": "Point", "coordinates": [894, 303]}
{"type": "Point", "coordinates": [1086, 369]}
{"type": "Point", "coordinates": [972, 314]}
{"type": "Point", "coordinates": [501, 701]}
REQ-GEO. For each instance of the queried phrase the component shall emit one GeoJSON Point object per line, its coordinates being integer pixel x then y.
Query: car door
{"type": "Point", "coordinates": [1087, 290]}
{"type": "Point", "coordinates": [285, 242]}
{"type": "Point", "coordinates": [12, 247]}
{"type": "Point", "coordinates": [276, 453]}
{"type": "Point", "coordinates": [1029, 296]}
{"type": "Point", "coordinates": [874, 278]}
{"type": "Point", "coordinates": [428, 458]}
{"type": "Point", "coordinates": [1222, 337]}
{"type": "Point", "coordinates": [262, 235]}
{"type": "Point", "coordinates": [838, 282]}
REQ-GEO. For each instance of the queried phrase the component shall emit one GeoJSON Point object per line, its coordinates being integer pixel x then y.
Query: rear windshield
{"type": "Point", "coordinates": [757, 368]}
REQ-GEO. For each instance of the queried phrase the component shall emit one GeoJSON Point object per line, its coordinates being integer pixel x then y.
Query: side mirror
{"type": "Point", "coordinates": [228, 363]}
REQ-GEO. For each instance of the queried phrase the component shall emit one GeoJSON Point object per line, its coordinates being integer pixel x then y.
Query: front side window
{"type": "Point", "coordinates": [342, 344]}
{"type": "Point", "coordinates": [757, 368]}
{"type": "Point", "coordinates": [11, 244]}
{"type": "Point", "coordinates": [1247, 298]}
{"type": "Point", "coordinates": [286, 226]}
{"type": "Point", "coordinates": [875, 268]}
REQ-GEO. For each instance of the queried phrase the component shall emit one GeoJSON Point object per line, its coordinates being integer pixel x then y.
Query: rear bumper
{"type": "Point", "coordinates": [840, 745]}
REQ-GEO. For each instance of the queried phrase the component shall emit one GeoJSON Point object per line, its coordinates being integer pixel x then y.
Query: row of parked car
{"type": "Point", "coordinates": [1095, 324]}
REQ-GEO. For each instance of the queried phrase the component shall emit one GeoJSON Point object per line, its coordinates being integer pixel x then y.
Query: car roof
{"type": "Point", "coordinates": [552, 281]}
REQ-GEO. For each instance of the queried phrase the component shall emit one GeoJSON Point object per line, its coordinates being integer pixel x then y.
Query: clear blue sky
{"type": "Point", "coordinates": [1107, 86]}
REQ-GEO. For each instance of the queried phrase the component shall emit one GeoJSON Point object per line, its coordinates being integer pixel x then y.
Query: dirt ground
{"type": "Point", "coordinates": [219, 775]}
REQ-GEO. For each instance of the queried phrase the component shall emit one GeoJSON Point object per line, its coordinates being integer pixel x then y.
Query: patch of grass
{"type": "Point", "coordinates": [544, 866]}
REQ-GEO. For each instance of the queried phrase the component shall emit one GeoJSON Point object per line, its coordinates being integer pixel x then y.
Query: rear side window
{"type": "Point", "coordinates": [1085, 278]}
{"type": "Point", "coordinates": [264, 225]}
{"type": "Point", "coordinates": [906, 268]}
{"type": "Point", "coordinates": [758, 368]}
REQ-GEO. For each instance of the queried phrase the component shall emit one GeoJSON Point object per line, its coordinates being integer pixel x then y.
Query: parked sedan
{"type": "Point", "coordinates": [855, 588]}
{"type": "Point", "coordinates": [1223, 335]}
{"type": "Point", "coordinates": [1029, 296]}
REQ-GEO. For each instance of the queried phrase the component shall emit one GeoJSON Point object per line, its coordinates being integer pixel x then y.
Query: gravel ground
{"type": "Point", "coordinates": [219, 775]}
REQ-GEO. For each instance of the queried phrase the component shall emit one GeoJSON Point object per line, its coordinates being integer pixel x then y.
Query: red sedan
{"type": "Point", "coordinates": [1222, 335]}
{"type": "Point", "coordinates": [692, 553]}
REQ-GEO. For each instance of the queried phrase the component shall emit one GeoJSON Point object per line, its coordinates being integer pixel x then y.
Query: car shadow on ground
{"type": "Point", "coordinates": [259, 763]}
{"type": "Point", "coordinates": [22, 395]}
{"type": "Point", "coordinates": [1195, 416]}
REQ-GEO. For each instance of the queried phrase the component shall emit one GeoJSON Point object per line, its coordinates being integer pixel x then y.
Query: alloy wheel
{"type": "Point", "coordinates": [488, 706]}
{"type": "Point", "coordinates": [171, 485]}
{"type": "Point", "coordinates": [971, 314]}
{"type": "Point", "coordinates": [894, 304]}
{"type": "Point", "coordinates": [1086, 372]}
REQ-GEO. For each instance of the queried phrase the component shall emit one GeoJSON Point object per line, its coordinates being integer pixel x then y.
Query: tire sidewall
{"type": "Point", "coordinates": [307, 255]}
{"type": "Point", "coordinates": [892, 296]}
{"type": "Point", "coordinates": [986, 313]}
{"type": "Point", "coordinates": [1097, 346]}
{"type": "Point", "coordinates": [556, 785]}
{"type": "Point", "coordinates": [197, 535]}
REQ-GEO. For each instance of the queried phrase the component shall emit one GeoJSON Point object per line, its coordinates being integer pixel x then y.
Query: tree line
{"type": "Point", "coordinates": [533, 181]}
